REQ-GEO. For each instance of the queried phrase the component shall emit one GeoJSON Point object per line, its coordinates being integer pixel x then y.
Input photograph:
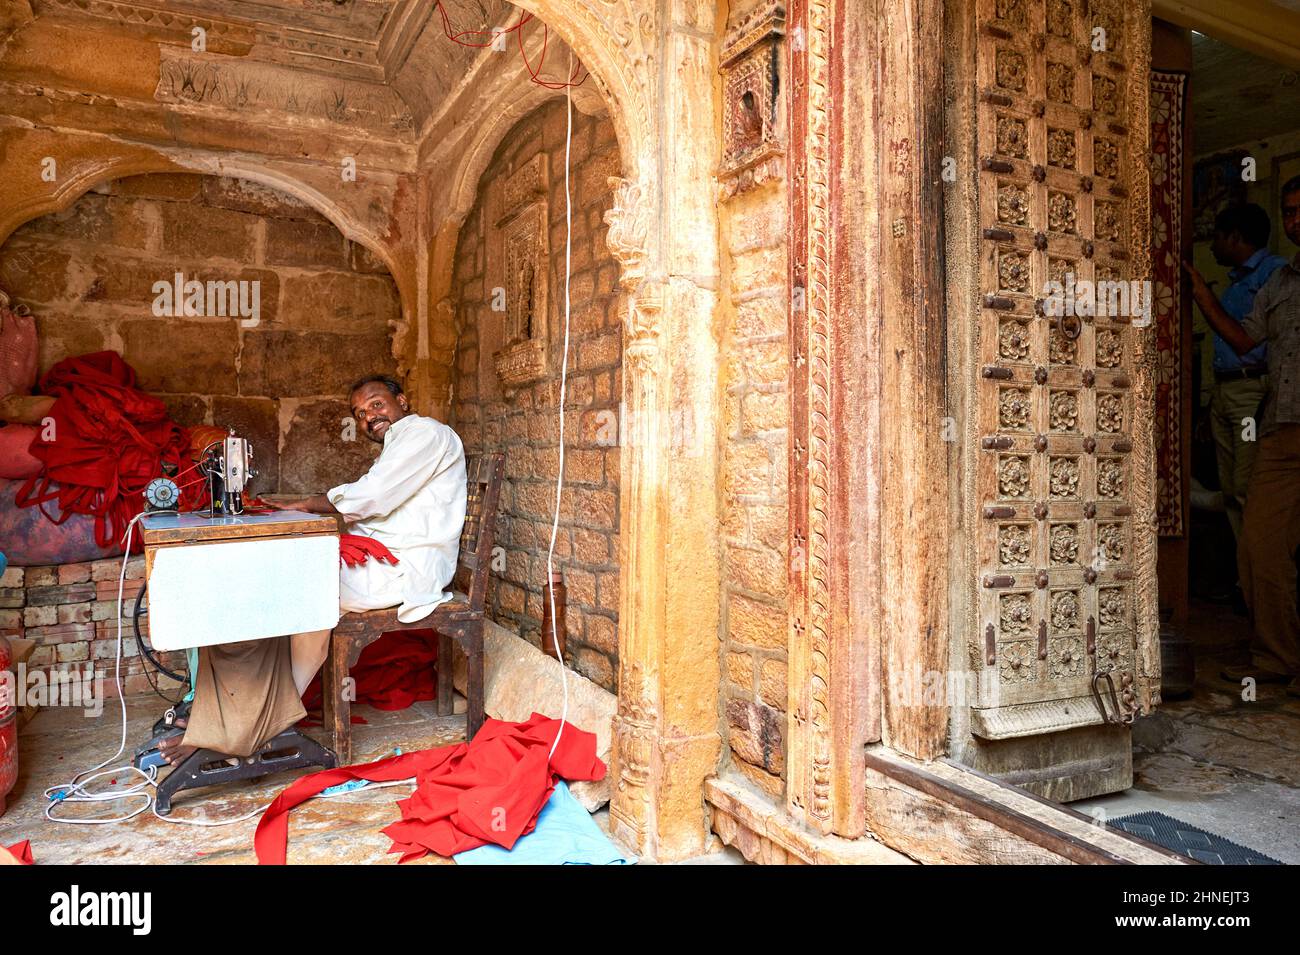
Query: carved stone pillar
{"type": "Point", "coordinates": [663, 231]}
{"type": "Point", "coordinates": [666, 740]}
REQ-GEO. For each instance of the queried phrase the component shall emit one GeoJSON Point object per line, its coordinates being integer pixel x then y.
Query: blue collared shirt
{"type": "Point", "coordinates": [1237, 300]}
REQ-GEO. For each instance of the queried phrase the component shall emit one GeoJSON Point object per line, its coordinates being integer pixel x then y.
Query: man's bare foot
{"type": "Point", "coordinates": [173, 748]}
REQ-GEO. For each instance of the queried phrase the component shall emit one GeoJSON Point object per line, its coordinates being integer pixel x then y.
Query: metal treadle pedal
{"type": "Point", "coordinates": [206, 767]}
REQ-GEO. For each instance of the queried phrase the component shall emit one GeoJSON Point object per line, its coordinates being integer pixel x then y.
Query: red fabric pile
{"type": "Point", "coordinates": [355, 549]}
{"type": "Point", "coordinates": [467, 794]}
{"type": "Point", "coordinates": [110, 440]}
{"type": "Point", "coordinates": [395, 671]}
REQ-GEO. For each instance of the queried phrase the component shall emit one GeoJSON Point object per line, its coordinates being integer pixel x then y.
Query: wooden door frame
{"type": "Point", "coordinates": [868, 511]}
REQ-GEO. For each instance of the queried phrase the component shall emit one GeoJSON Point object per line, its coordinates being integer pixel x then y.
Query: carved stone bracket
{"type": "Point", "coordinates": [628, 221]}
{"type": "Point", "coordinates": [521, 363]}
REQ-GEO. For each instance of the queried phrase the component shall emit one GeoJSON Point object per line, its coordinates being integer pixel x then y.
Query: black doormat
{"type": "Point", "coordinates": [1188, 840]}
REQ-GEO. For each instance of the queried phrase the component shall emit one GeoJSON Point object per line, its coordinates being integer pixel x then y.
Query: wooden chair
{"type": "Point", "coordinates": [460, 619]}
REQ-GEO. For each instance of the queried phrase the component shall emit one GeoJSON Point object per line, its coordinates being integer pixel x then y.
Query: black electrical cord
{"type": "Point", "coordinates": [143, 647]}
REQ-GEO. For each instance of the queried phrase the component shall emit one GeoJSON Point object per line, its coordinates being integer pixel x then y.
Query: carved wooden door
{"type": "Point", "coordinates": [1060, 502]}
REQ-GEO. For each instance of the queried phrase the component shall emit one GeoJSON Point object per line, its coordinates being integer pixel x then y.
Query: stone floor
{"type": "Point", "coordinates": [1213, 760]}
{"type": "Point", "coordinates": [60, 742]}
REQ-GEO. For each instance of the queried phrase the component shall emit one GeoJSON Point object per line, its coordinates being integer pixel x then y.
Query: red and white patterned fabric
{"type": "Point", "coordinates": [1168, 98]}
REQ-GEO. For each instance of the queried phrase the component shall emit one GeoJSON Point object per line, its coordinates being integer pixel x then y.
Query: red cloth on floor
{"type": "Point", "coordinates": [110, 441]}
{"type": "Point", "coordinates": [466, 795]}
{"type": "Point", "coordinates": [395, 671]}
{"type": "Point", "coordinates": [355, 549]}
{"type": "Point", "coordinates": [22, 851]}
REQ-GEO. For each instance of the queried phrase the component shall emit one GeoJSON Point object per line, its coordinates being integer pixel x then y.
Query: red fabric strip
{"type": "Point", "coordinates": [22, 851]}
{"type": "Point", "coordinates": [490, 789]}
{"type": "Point", "coordinates": [356, 549]}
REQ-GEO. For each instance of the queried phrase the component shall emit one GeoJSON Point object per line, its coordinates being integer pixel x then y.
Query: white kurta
{"type": "Point", "coordinates": [413, 501]}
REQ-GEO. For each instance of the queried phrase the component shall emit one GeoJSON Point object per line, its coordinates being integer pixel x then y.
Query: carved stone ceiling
{"type": "Point", "coordinates": [366, 44]}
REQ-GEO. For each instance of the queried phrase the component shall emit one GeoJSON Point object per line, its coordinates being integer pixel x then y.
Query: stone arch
{"type": "Point", "coordinates": [614, 44]}
{"type": "Point", "coordinates": [667, 740]}
{"type": "Point", "coordinates": [486, 138]}
{"type": "Point", "coordinates": [620, 46]}
{"type": "Point", "coordinates": [89, 176]}
{"type": "Point", "coordinates": [83, 180]}
{"type": "Point", "coordinates": [91, 274]}
{"type": "Point", "coordinates": [508, 98]}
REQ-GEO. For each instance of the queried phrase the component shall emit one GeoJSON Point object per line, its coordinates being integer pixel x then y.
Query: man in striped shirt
{"type": "Point", "coordinates": [1266, 554]}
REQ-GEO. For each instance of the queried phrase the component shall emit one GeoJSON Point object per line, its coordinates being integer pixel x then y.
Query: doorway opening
{"type": "Point", "coordinates": [1220, 753]}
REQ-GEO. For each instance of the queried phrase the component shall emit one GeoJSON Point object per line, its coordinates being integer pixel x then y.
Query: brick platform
{"type": "Point", "coordinates": [70, 611]}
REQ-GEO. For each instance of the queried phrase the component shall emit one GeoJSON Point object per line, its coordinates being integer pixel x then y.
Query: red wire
{"type": "Point", "coordinates": [456, 37]}
{"type": "Point", "coordinates": [534, 74]}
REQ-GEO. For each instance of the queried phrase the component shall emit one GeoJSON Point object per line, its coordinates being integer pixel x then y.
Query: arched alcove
{"type": "Point", "coordinates": [508, 294]}
{"type": "Point", "coordinates": [289, 312]}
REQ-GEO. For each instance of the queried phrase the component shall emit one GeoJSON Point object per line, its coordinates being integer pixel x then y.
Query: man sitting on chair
{"type": "Point", "coordinates": [412, 500]}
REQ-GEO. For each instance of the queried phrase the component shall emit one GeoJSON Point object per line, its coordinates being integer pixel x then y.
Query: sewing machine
{"type": "Point", "coordinates": [224, 577]}
{"type": "Point", "coordinates": [226, 465]}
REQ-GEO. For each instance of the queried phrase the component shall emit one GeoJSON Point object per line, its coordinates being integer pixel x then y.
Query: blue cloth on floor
{"type": "Point", "coordinates": [565, 835]}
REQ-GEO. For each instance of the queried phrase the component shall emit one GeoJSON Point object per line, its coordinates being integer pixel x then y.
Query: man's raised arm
{"type": "Point", "coordinates": [1227, 327]}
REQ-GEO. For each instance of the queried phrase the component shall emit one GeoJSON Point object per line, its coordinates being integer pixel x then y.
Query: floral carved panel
{"type": "Point", "coordinates": [1060, 472]}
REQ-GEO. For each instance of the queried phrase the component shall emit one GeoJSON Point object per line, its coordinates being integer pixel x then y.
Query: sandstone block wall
{"type": "Point", "coordinates": [755, 482]}
{"type": "Point", "coordinates": [326, 306]}
{"type": "Point", "coordinates": [525, 423]}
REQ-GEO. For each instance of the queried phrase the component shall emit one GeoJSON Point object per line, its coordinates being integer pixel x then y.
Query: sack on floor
{"type": "Point", "coordinates": [30, 539]}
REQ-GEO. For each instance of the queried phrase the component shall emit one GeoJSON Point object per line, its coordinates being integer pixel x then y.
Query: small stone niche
{"type": "Point", "coordinates": [753, 138]}
{"type": "Point", "coordinates": [523, 235]}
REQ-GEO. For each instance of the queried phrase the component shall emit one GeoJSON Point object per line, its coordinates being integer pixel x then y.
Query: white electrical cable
{"type": "Point", "coordinates": [75, 790]}
{"type": "Point", "coordinates": [564, 374]}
